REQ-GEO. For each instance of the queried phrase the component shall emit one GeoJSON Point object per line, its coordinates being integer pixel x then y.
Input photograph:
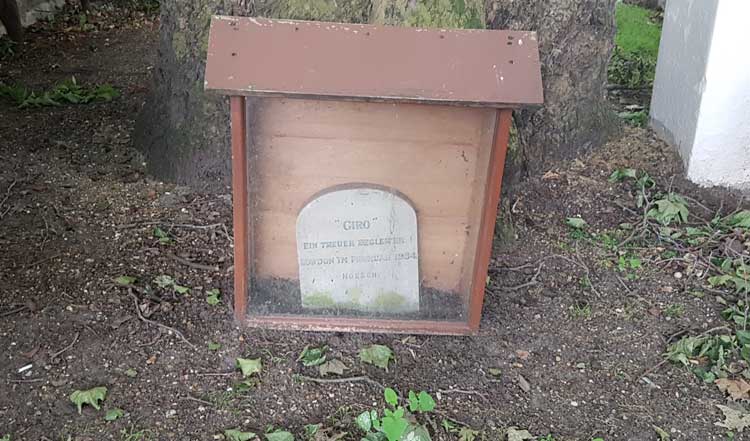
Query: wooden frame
{"type": "Point", "coordinates": [503, 100]}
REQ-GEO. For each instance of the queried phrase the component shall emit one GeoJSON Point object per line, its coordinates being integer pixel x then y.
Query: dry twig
{"type": "Point", "coordinates": [157, 324]}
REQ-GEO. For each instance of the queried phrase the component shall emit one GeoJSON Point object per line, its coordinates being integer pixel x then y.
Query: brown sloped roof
{"type": "Point", "coordinates": [263, 57]}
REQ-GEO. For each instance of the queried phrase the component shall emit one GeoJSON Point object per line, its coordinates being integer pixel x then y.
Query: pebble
{"type": "Point", "coordinates": [574, 403]}
{"type": "Point", "coordinates": [678, 275]}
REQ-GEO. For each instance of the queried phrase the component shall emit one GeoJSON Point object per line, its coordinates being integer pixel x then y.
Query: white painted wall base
{"type": "Point", "coordinates": [701, 97]}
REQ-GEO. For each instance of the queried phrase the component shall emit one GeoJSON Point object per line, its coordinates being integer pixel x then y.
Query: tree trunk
{"type": "Point", "coordinates": [184, 132]}
{"type": "Point", "coordinates": [576, 38]}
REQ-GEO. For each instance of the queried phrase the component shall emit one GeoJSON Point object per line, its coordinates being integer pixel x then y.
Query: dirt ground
{"type": "Point", "coordinates": [77, 211]}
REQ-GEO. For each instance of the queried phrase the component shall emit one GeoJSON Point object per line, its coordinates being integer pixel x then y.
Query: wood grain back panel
{"type": "Point", "coordinates": [435, 155]}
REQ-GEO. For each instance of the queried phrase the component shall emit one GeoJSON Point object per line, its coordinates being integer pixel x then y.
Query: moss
{"type": "Point", "coordinates": [465, 14]}
{"type": "Point", "coordinates": [388, 301]}
{"type": "Point", "coordinates": [319, 300]}
{"type": "Point", "coordinates": [348, 11]}
{"type": "Point", "coordinates": [180, 44]}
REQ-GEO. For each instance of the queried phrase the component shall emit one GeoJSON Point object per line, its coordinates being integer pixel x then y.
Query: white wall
{"type": "Point", "coordinates": [701, 98]}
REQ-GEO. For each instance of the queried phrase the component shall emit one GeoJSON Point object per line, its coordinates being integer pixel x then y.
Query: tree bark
{"type": "Point", "coordinates": [184, 132]}
{"type": "Point", "coordinates": [576, 38]}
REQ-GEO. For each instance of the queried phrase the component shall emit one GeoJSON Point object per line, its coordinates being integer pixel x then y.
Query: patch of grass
{"type": "Point", "coordinates": [580, 311]}
{"type": "Point", "coordinates": [131, 434]}
{"type": "Point", "coordinates": [637, 32]}
{"type": "Point", "coordinates": [633, 62]}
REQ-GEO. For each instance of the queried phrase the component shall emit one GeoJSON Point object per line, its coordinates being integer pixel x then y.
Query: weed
{"type": "Point", "coordinates": [131, 434]}
{"type": "Point", "coordinates": [396, 424]}
{"type": "Point", "coordinates": [674, 311]}
{"type": "Point", "coordinates": [633, 61]}
{"type": "Point", "coordinates": [92, 397]}
{"type": "Point", "coordinates": [635, 119]}
{"type": "Point", "coordinates": [7, 51]}
{"type": "Point", "coordinates": [580, 311]}
{"type": "Point", "coordinates": [66, 92]}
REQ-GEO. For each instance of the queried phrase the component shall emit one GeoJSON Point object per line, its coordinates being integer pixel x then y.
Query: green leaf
{"type": "Point", "coordinates": [213, 346]}
{"type": "Point", "coordinates": [745, 353]}
{"type": "Point", "coordinates": [467, 434]}
{"type": "Point", "coordinates": [743, 337]}
{"type": "Point", "coordinates": [113, 414]}
{"type": "Point", "coordinates": [332, 367]}
{"type": "Point", "coordinates": [377, 355]}
{"type": "Point", "coordinates": [391, 397]}
{"type": "Point", "coordinates": [238, 435]}
{"type": "Point", "coordinates": [279, 435]}
{"type": "Point", "coordinates": [213, 299]}
{"type": "Point", "coordinates": [312, 429]}
{"type": "Point", "coordinates": [130, 372]}
{"type": "Point", "coordinates": [125, 280]}
{"type": "Point", "coordinates": [164, 281]}
{"type": "Point", "coordinates": [364, 420]}
{"type": "Point", "coordinates": [622, 173]}
{"type": "Point", "coordinates": [417, 432]}
{"type": "Point", "coordinates": [181, 289]}
{"type": "Point", "coordinates": [421, 403]}
{"type": "Point", "coordinates": [91, 397]}
{"type": "Point", "coordinates": [735, 417]}
{"type": "Point", "coordinates": [394, 424]}
{"type": "Point", "coordinates": [495, 372]}
{"type": "Point", "coordinates": [313, 356]}
{"type": "Point", "coordinates": [741, 219]}
{"type": "Point", "coordinates": [575, 222]}
{"type": "Point", "coordinates": [249, 366]}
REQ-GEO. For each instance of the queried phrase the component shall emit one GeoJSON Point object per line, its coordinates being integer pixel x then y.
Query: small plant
{"type": "Point", "coordinates": [674, 311]}
{"type": "Point", "coordinates": [91, 397]}
{"type": "Point", "coordinates": [213, 346]}
{"type": "Point", "coordinates": [125, 280]}
{"type": "Point", "coordinates": [394, 424]}
{"type": "Point", "coordinates": [635, 119]}
{"type": "Point", "coordinates": [279, 435]}
{"type": "Point", "coordinates": [163, 236]}
{"type": "Point", "coordinates": [131, 434]}
{"type": "Point", "coordinates": [113, 414]}
{"type": "Point", "coordinates": [212, 297]}
{"type": "Point", "coordinates": [165, 281]}
{"type": "Point", "coordinates": [313, 356]}
{"type": "Point", "coordinates": [580, 311]}
{"type": "Point", "coordinates": [671, 208]}
{"type": "Point", "coordinates": [67, 92]}
{"type": "Point", "coordinates": [378, 355]}
{"type": "Point", "coordinates": [5, 438]}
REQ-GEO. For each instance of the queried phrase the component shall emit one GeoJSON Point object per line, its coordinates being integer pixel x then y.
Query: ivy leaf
{"type": "Point", "coordinates": [249, 366]}
{"type": "Point", "coordinates": [279, 435]}
{"type": "Point", "coordinates": [130, 372]}
{"type": "Point", "coordinates": [377, 355]}
{"type": "Point", "coordinates": [365, 419]}
{"type": "Point", "coordinates": [113, 414]}
{"type": "Point", "coordinates": [238, 435]}
{"type": "Point", "coordinates": [313, 356]}
{"type": "Point", "coordinates": [575, 222]}
{"type": "Point", "coordinates": [421, 403]}
{"type": "Point", "coordinates": [332, 367]}
{"type": "Point", "coordinates": [181, 289]}
{"type": "Point", "coordinates": [213, 297]}
{"type": "Point", "coordinates": [467, 434]}
{"type": "Point", "coordinates": [125, 280]}
{"type": "Point", "coordinates": [91, 397]}
{"type": "Point", "coordinates": [622, 173]}
{"type": "Point", "coordinates": [417, 433]}
{"type": "Point", "coordinates": [391, 397]}
{"type": "Point", "coordinates": [741, 219]}
{"type": "Point", "coordinates": [213, 346]}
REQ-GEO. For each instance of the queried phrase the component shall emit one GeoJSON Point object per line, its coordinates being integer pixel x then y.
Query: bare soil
{"type": "Point", "coordinates": [78, 211]}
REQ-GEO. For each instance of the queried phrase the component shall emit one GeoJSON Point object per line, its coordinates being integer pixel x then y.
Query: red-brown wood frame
{"type": "Point", "coordinates": [242, 249]}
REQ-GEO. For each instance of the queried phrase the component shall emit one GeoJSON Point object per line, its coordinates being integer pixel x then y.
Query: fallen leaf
{"type": "Point", "coordinates": [515, 434]}
{"type": "Point", "coordinates": [313, 356]}
{"type": "Point", "coordinates": [654, 311]}
{"type": "Point", "coordinates": [132, 373]}
{"type": "Point", "coordinates": [523, 384]}
{"type": "Point", "coordinates": [113, 414]}
{"type": "Point", "coordinates": [91, 396]}
{"type": "Point", "coordinates": [31, 353]}
{"type": "Point", "coordinates": [735, 417]}
{"type": "Point", "coordinates": [663, 434]}
{"type": "Point", "coordinates": [279, 435]}
{"type": "Point", "coordinates": [736, 389]}
{"type": "Point", "coordinates": [125, 280]}
{"type": "Point", "coordinates": [332, 367]}
{"type": "Point", "coordinates": [151, 359]}
{"type": "Point", "coordinates": [378, 355]}
{"type": "Point", "coordinates": [495, 372]}
{"type": "Point", "coordinates": [523, 355]}
{"type": "Point", "coordinates": [550, 175]}
{"type": "Point", "coordinates": [238, 435]}
{"type": "Point", "coordinates": [249, 366]}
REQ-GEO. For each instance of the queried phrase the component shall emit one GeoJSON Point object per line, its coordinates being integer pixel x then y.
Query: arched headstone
{"type": "Point", "coordinates": [357, 251]}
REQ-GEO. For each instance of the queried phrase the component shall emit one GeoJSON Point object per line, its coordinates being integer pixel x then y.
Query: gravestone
{"type": "Point", "coordinates": [357, 250]}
